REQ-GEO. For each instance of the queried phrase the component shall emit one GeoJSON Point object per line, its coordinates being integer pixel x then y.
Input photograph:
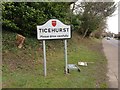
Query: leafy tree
{"type": "Point", "coordinates": [93, 15]}
{"type": "Point", "coordinates": [75, 22]}
{"type": "Point", "coordinates": [23, 17]}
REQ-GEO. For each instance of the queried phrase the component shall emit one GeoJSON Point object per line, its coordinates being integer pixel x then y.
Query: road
{"type": "Point", "coordinates": [110, 48]}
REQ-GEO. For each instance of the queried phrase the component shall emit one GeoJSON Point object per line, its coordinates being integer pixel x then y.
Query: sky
{"type": "Point", "coordinates": [113, 23]}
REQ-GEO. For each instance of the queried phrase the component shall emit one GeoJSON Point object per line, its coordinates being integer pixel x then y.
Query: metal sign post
{"type": "Point", "coordinates": [44, 58]}
{"type": "Point", "coordinates": [65, 51]}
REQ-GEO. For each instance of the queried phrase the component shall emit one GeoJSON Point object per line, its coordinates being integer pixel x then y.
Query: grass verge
{"type": "Point", "coordinates": [23, 68]}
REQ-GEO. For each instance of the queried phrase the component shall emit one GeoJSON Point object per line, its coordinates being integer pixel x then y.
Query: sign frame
{"type": "Point", "coordinates": [60, 31]}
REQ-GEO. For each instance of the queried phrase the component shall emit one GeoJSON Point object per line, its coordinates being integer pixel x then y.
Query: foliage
{"type": "Point", "coordinates": [75, 22]}
{"type": "Point", "coordinates": [23, 17]}
{"type": "Point", "coordinates": [93, 15]}
{"type": "Point", "coordinates": [99, 31]}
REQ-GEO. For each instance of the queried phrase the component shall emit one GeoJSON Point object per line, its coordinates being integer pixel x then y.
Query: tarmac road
{"type": "Point", "coordinates": [110, 48]}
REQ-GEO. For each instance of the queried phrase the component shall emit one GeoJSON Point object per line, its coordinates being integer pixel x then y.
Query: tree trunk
{"type": "Point", "coordinates": [85, 34]}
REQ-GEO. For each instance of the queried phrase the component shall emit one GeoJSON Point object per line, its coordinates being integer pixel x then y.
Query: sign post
{"type": "Point", "coordinates": [44, 58]}
{"type": "Point", "coordinates": [54, 29]}
{"type": "Point", "coordinates": [65, 50]}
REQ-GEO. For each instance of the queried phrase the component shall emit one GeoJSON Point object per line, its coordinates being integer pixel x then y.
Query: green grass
{"type": "Point", "coordinates": [23, 68]}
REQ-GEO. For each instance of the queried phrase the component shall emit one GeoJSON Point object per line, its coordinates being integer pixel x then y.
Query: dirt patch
{"type": "Point", "coordinates": [20, 60]}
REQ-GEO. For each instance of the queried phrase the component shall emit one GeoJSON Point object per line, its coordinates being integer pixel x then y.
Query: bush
{"type": "Point", "coordinates": [25, 16]}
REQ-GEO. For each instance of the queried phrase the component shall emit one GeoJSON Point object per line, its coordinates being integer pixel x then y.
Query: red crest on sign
{"type": "Point", "coordinates": [53, 23]}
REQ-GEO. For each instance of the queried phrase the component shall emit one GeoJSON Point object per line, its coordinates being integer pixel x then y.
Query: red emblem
{"type": "Point", "coordinates": [53, 23]}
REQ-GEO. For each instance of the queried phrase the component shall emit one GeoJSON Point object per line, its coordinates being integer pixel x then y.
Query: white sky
{"type": "Point", "coordinates": [113, 22]}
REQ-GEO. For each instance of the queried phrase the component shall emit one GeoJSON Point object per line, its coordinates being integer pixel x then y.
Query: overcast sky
{"type": "Point", "coordinates": [113, 22]}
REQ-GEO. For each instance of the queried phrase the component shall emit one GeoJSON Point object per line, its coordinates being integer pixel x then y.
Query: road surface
{"type": "Point", "coordinates": [111, 52]}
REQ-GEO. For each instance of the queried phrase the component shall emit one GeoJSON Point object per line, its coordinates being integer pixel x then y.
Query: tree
{"type": "Point", "coordinates": [93, 15]}
{"type": "Point", "coordinates": [23, 17]}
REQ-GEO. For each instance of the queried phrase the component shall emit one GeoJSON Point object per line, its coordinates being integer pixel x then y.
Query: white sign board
{"type": "Point", "coordinates": [53, 29]}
